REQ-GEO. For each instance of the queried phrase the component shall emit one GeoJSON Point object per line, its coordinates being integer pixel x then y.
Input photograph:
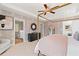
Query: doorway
{"type": "Point", "coordinates": [18, 32]}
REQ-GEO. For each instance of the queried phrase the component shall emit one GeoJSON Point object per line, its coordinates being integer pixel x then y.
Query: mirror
{"type": "Point", "coordinates": [33, 26]}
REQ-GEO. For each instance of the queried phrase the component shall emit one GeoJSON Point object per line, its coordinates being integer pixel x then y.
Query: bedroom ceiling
{"type": "Point", "coordinates": [32, 8]}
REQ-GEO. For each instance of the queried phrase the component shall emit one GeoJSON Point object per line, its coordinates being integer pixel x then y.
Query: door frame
{"type": "Point", "coordinates": [22, 20]}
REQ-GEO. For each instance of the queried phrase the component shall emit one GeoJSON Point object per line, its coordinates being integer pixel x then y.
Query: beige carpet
{"type": "Point", "coordinates": [22, 49]}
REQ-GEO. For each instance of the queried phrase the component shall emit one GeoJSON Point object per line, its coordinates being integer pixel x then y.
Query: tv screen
{"type": "Point", "coordinates": [2, 17]}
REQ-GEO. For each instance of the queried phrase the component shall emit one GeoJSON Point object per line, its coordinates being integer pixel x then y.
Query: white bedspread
{"type": "Point", "coordinates": [53, 45]}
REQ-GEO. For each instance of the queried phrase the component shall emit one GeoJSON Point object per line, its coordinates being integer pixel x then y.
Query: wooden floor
{"type": "Point", "coordinates": [18, 40]}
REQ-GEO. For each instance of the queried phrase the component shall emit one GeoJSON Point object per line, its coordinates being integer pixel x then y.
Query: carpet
{"type": "Point", "coordinates": [22, 49]}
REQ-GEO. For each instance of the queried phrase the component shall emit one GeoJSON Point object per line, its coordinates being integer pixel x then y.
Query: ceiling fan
{"type": "Point", "coordinates": [51, 10]}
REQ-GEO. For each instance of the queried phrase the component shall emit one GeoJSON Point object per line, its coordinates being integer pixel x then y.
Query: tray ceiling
{"type": "Point", "coordinates": [32, 8]}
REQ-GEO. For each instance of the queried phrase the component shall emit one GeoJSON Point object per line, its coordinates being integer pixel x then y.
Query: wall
{"type": "Point", "coordinates": [73, 44]}
{"type": "Point", "coordinates": [28, 21]}
{"type": "Point", "coordinates": [8, 34]}
{"type": "Point", "coordinates": [56, 25]}
{"type": "Point", "coordinates": [69, 30]}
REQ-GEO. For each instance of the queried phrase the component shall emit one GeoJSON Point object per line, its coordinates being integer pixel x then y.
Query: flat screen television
{"type": "Point", "coordinates": [2, 17]}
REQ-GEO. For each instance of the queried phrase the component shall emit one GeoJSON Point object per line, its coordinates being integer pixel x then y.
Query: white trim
{"type": "Point", "coordinates": [17, 19]}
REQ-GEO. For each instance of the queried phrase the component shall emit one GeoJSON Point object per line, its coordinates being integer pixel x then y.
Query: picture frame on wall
{"type": "Point", "coordinates": [68, 27]}
{"type": "Point", "coordinates": [68, 30]}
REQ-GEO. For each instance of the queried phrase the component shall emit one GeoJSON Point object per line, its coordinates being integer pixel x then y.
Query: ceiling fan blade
{"type": "Point", "coordinates": [40, 11]}
{"type": "Point", "coordinates": [45, 5]}
{"type": "Point", "coordinates": [52, 12]}
{"type": "Point", "coordinates": [64, 4]}
{"type": "Point", "coordinates": [40, 14]}
{"type": "Point", "coordinates": [45, 13]}
{"type": "Point", "coordinates": [54, 8]}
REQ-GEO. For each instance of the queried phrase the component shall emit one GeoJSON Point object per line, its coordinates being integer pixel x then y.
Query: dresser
{"type": "Point", "coordinates": [33, 36]}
